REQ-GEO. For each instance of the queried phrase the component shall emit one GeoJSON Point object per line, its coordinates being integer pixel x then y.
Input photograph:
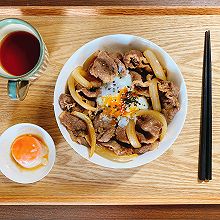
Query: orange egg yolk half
{"type": "Point", "coordinates": [26, 149]}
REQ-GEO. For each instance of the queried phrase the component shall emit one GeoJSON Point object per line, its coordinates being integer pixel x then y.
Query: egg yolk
{"type": "Point", "coordinates": [26, 149]}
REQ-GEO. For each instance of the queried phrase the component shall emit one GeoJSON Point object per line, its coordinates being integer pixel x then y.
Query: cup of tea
{"type": "Point", "coordinates": [23, 56]}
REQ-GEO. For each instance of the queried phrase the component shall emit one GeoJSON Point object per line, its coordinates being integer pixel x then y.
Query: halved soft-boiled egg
{"type": "Point", "coordinates": [117, 99]}
{"type": "Point", "coordinates": [28, 151]}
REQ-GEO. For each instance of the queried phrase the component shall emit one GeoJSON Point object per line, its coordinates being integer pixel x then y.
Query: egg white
{"type": "Point", "coordinates": [112, 89]}
{"type": "Point", "coordinates": [118, 83]}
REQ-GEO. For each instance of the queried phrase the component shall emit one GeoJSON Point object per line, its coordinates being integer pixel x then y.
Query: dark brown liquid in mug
{"type": "Point", "coordinates": [19, 52]}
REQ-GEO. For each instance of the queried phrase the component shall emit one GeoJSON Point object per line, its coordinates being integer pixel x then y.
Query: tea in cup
{"type": "Point", "coordinates": [23, 56]}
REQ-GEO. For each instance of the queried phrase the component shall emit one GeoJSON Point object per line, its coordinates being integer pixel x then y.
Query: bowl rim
{"type": "Point", "coordinates": [96, 158]}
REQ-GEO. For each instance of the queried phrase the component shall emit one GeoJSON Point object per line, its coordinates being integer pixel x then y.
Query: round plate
{"type": "Point", "coordinates": [122, 43]}
{"type": "Point", "coordinates": [9, 168]}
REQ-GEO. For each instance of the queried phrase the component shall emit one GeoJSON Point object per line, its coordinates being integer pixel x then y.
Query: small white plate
{"type": "Point", "coordinates": [9, 168]}
{"type": "Point", "coordinates": [122, 43]}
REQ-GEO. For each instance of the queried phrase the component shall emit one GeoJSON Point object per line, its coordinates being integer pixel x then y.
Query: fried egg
{"type": "Point", "coordinates": [28, 151]}
{"type": "Point", "coordinates": [118, 99]}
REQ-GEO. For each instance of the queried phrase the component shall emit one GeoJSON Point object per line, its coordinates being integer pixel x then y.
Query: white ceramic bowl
{"type": "Point", "coordinates": [123, 42]}
{"type": "Point", "coordinates": [9, 168]}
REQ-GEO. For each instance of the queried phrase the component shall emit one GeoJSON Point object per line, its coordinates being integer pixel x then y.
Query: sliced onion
{"type": "Point", "coordinates": [76, 96]}
{"type": "Point", "coordinates": [157, 68]}
{"type": "Point", "coordinates": [104, 152]}
{"type": "Point", "coordinates": [78, 74]}
{"type": "Point", "coordinates": [153, 91]}
{"type": "Point", "coordinates": [131, 133]}
{"type": "Point", "coordinates": [157, 115]}
{"type": "Point", "coordinates": [92, 136]}
{"type": "Point", "coordinates": [90, 60]}
{"type": "Point", "coordinates": [108, 154]}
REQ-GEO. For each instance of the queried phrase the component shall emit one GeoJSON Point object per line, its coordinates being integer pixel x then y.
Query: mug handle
{"type": "Point", "coordinates": [17, 90]}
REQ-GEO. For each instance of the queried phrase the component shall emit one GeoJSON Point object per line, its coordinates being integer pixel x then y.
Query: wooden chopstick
{"type": "Point", "coordinates": [205, 153]}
